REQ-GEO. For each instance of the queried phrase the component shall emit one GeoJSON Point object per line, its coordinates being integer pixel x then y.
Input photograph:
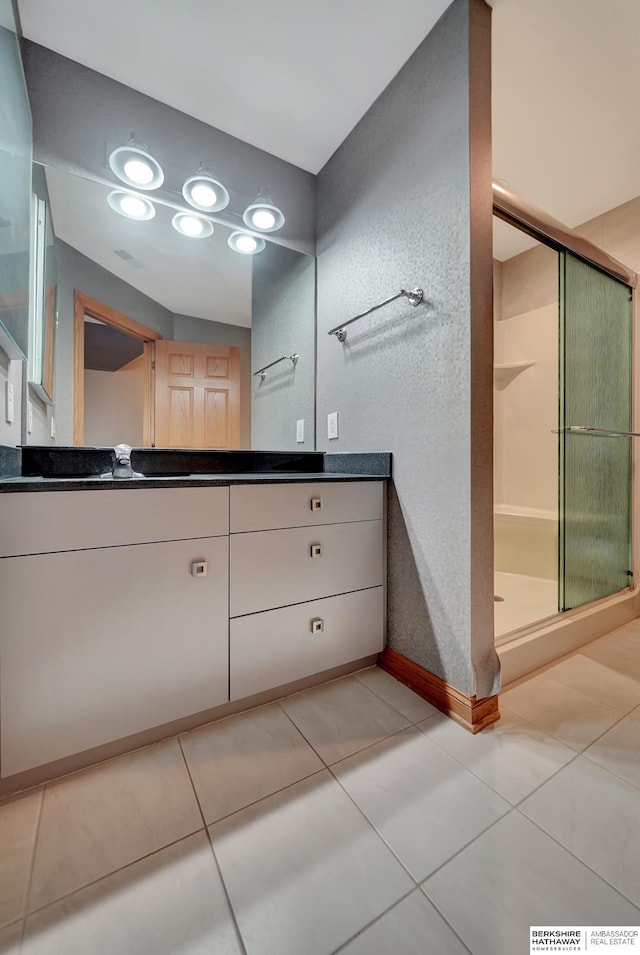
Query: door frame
{"type": "Point", "coordinates": [85, 305]}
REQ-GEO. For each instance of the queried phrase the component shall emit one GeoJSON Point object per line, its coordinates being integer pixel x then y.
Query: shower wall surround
{"type": "Point", "coordinates": [403, 202]}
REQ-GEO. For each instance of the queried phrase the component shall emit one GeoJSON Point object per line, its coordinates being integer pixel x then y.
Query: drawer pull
{"type": "Point", "coordinates": [199, 568]}
{"type": "Point", "coordinates": [316, 503]}
{"type": "Point", "coordinates": [315, 550]}
{"type": "Point", "coordinates": [317, 625]}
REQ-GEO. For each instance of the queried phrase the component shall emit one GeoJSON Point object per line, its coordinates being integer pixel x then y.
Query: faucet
{"type": "Point", "coordinates": [122, 469]}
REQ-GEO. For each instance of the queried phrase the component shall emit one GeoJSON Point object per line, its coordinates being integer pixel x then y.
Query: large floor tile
{"type": "Point", "coordinates": [619, 650]}
{"type": "Point", "coordinates": [515, 876]}
{"type": "Point", "coordinates": [106, 817]}
{"type": "Point", "coordinates": [412, 927]}
{"type": "Point", "coordinates": [621, 691]}
{"type": "Point", "coordinates": [567, 714]}
{"type": "Point", "coordinates": [10, 937]}
{"type": "Point", "coordinates": [424, 804]}
{"type": "Point", "coordinates": [512, 756]}
{"type": "Point", "coordinates": [619, 750]}
{"type": "Point", "coordinates": [396, 694]}
{"type": "Point", "coordinates": [304, 870]}
{"type": "Point", "coordinates": [171, 903]}
{"type": "Point", "coordinates": [242, 759]}
{"type": "Point", "coordinates": [595, 815]}
{"type": "Point", "coordinates": [18, 824]}
{"type": "Point", "coordinates": [341, 718]}
{"type": "Point", "coordinates": [635, 713]}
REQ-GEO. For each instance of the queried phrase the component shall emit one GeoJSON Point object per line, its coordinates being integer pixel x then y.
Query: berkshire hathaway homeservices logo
{"type": "Point", "coordinates": [553, 938]}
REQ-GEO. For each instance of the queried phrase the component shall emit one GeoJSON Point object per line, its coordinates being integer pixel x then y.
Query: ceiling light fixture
{"type": "Point", "coordinates": [263, 215]}
{"type": "Point", "coordinates": [193, 226]}
{"type": "Point", "coordinates": [246, 244]}
{"type": "Point", "coordinates": [134, 165]}
{"type": "Point", "coordinates": [131, 206]}
{"type": "Point", "coordinates": [204, 192]}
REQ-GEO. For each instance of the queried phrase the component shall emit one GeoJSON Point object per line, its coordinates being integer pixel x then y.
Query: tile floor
{"type": "Point", "coordinates": [350, 818]}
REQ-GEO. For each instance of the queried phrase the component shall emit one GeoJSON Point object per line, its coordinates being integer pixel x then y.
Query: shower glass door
{"type": "Point", "coordinates": [595, 469]}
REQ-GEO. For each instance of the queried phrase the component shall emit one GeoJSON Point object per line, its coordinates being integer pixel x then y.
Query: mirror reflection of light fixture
{"type": "Point", "coordinates": [192, 226]}
{"type": "Point", "coordinates": [134, 165]}
{"type": "Point", "coordinates": [263, 215]}
{"type": "Point", "coordinates": [131, 206]}
{"type": "Point", "coordinates": [246, 244]}
{"type": "Point", "coordinates": [204, 192]}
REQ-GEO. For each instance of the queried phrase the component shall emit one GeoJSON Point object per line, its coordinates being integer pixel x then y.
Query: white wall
{"type": "Point", "coordinates": [114, 406]}
{"type": "Point", "coordinates": [526, 399]}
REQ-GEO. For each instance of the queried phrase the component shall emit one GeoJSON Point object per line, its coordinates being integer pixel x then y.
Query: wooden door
{"type": "Point", "coordinates": [197, 396]}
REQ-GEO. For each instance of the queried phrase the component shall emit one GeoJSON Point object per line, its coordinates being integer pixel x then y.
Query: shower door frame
{"type": "Point", "coordinates": [541, 642]}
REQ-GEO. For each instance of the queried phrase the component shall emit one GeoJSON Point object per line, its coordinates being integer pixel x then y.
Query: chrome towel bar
{"type": "Point", "coordinates": [263, 371]}
{"type": "Point", "coordinates": [415, 296]}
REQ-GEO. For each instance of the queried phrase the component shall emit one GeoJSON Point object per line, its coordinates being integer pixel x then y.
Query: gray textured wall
{"type": "Point", "coordinates": [189, 329]}
{"type": "Point", "coordinates": [283, 323]}
{"type": "Point", "coordinates": [394, 211]}
{"type": "Point", "coordinates": [80, 115]}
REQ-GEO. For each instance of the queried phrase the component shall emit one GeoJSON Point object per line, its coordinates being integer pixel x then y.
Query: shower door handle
{"type": "Point", "coordinates": [605, 432]}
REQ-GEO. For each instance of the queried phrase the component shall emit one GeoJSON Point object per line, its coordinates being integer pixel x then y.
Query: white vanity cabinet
{"type": "Point", "coordinates": [100, 643]}
{"type": "Point", "coordinates": [306, 580]}
{"type": "Point", "coordinates": [110, 627]}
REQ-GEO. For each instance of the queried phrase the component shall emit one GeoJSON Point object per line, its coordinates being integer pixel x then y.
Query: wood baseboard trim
{"type": "Point", "coordinates": [468, 711]}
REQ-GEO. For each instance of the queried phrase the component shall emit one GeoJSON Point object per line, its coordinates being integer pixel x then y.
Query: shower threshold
{"type": "Point", "coordinates": [526, 601]}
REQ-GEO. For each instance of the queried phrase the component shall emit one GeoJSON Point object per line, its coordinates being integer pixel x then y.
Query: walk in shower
{"type": "Point", "coordinates": [563, 364]}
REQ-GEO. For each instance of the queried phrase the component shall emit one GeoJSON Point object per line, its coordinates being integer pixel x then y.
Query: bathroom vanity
{"type": "Point", "coordinates": [128, 607]}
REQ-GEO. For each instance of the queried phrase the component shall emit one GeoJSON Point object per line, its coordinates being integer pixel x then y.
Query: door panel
{"type": "Point", "coordinates": [197, 396]}
{"type": "Point", "coordinates": [595, 470]}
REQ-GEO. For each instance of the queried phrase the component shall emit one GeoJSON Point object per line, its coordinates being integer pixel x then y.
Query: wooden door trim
{"type": "Point", "coordinates": [85, 305]}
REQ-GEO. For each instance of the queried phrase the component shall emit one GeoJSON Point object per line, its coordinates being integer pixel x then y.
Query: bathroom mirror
{"type": "Point", "coordinates": [132, 292]}
{"type": "Point", "coordinates": [15, 192]}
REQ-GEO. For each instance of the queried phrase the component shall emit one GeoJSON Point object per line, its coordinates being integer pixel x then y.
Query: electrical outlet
{"type": "Point", "coordinates": [300, 430]}
{"type": "Point", "coordinates": [332, 425]}
{"type": "Point", "coordinates": [8, 402]}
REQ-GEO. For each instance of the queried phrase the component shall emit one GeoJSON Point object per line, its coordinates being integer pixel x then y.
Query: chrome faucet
{"type": "Point", "coordinates": [122, 469]}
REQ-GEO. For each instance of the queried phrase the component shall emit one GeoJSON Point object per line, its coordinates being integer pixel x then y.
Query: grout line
{"type": "Point", "coordinates": [256, 802]}
{"type": "Point", "coordinates": [612, 772]}
{"type": "Point", "coordinates": [342, 758]}
{"type": "Point", "coordinates": [581, 861]}
{"type": "Point", "coordinates": [215, 858]}
{"type": "Point", "coordinates": [384, 700]}
{"type": "Point", "coordinates": [32, 864]}
{"type": "Point", "coordinates": [513, 805]}
{"type": "Point", "coordinates": [107, 875]}
{"type": "Point", "coordinates": [373, 921]}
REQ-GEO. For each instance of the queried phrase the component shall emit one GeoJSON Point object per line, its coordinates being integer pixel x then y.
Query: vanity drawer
{"type": "Point", "coordinates": [45, 521]}
{"type": "Point", "coordinates": [277, 647]}
{"type": "Point", "coordinates": [274, 506]}
{"type": "Point", "coordinates": [275, 568]}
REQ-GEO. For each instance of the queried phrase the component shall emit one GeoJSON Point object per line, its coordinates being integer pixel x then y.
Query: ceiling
{"type": "Point", "coordinates": [294, 78]}
{"type": "Point", "coordinates": [290, 77]}
{"type": "Point", "coordinates": [199, 277]}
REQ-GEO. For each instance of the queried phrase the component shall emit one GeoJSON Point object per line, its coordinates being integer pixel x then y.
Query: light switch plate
{"type": "Point", "coordinates": [8, 402]}
{"type": "Point", "coordinates": [300, 430]}
{"type": "Point", "coordinates": [332, 425]}
{"type": "Point", "coordinates": [29, 417]}
{"type": "Point", "coordinates": [53, 427]}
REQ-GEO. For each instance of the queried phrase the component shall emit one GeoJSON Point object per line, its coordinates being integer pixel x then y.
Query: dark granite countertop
{"type": "Point", "coordinates": [73, 469]}
{"type": "Point", "coordinates": [183, 480]}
